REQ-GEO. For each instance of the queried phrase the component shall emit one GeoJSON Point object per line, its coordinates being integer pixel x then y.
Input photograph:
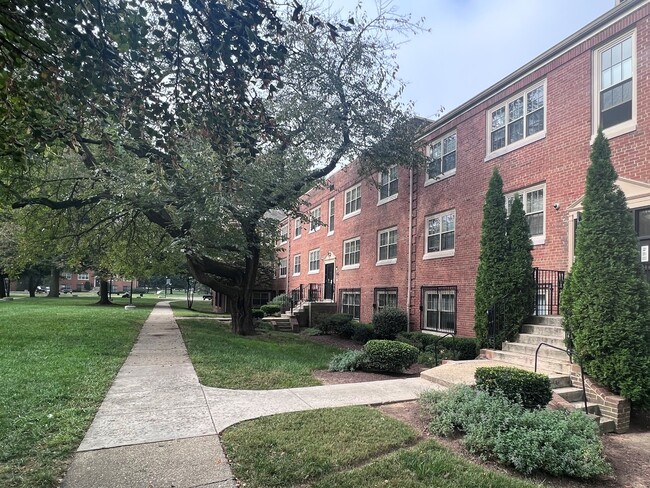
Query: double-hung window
{"type": "Point", "coordinates": [351, 253]}
{"type": "Point", "coordinates": [387, 246]}
{"type": "Point", "coordinates": [352, 201]}
{"type": "Point", "coordinates": [388, 185]}
{"type": "Point", "coordinates": [351, 302]}
{"type": "Point", "coordinates": [441, 156]}
{"type": "Point", "coordinates": [282, 268]}
{"type": "Point", "coordinates": [518, 121]}
{"type": "Point", "coordinates": [534, 200]}
{"type": "Point", "coordinates": [83, 276]}
{"type": "Point", "coordinates": [314, 223]}
{"type": "Point", "coordinates": [297, 228]}
{"type": "Point", "coordinates": [314, 261]}
{"type": "Point", "coordinates": [330, 216]}
{"type": "Point", "coordinates": [440, 235]}
{"type": "Point", "coordinates": [615, 73]}
{"type": "Point", "coordinates": [385, 298]}
{"type": "Point", "coordinates": [284, 233]}
{"type": "Point", "coordinates": [439, 308]}
{"type": "Point", "coordinates": [296, 265]}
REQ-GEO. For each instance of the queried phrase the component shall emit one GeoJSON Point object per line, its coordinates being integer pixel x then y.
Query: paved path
{"type": "Point", "coordinates": [157, 426]}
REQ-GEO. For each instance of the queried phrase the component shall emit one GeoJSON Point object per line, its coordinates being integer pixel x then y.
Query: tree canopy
{"type": "Point", "coordinates": [197, 116]}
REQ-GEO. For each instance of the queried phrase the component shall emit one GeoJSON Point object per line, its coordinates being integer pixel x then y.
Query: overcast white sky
{"type": "Point", "coordinates": [472, 44]}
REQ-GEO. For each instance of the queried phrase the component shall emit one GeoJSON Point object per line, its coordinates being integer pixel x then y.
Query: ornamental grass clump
{"type": "Point", "coordinates": [346, 361]}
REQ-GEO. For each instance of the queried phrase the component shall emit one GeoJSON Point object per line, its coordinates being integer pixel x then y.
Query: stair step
{"type": "Point", "coordinates": [537, 338]}
{"type": "Point", "coordinates": [592, 408]}
{"type": "Point", "coordinates": [553, 320]}
{"type": "Point", "coordinates": [606, 425]}
{"type": "Point", "coordinates": [529, 350]}
{"type": "Point", "coordinates": [570, 393]}
{"type": "Point", "coordinates": [544, 364]}
{"type": "Point", "coordinates": [559, 380]}
{"type": "Point", "coordinates": [545, 330]}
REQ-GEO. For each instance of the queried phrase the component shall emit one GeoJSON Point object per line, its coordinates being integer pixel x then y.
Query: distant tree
{"type": "Point", "coordinates": [9, 266]}
{"type": "Point", "coordinates": [521, 280]}
{"type": "Point", "coordinates": [606, 300]}
{"type": "Point", "coordinates": [492, 278]}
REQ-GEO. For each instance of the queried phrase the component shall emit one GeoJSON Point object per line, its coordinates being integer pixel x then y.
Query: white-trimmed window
{"type": "Point", "coordinates": [352, 201]}
{"type": "Point", "coordinates": [351, 302]}
{"type": "Point", "coordinates": [351, 253]}
{"type": "Point", "coordinates": [296, 265]}
{"type": "Point", "coordinates": [297, 227]}
{"type": "Point", "coordinates": [534, 200]}
{"type": "Point", "coordinates": [440, 235]}
{"type": "Point", "coordinates": [385, 298]}
{"type": "Point", "coordinates": [615, 85]}
{"type": "Point", "coordinates": [284, 233]}
{"type": "Point", "coordinates": [387, 246]}
{"type": "Point", "coordinates": [66, 275]}
{"type": "Point", "coordinates": [388, 185]}
{"type": "Point", "coordinates": [282, 268]}
{"type": "Point", "coordinates": [518, 121]}
{"type": "Point", "coordinates": [442, 158]}
{"type": "Point", "coordinates": [330, 216]}
{"type": "Point", "coordinates": [314, 224]}
{"type": "Point", "coordinates": [260, 298]}
{"type": "Point", "coordinates": [83, 276]}
{"type": "Point", "coordinates": [314, 261]}
{"type": "Point", "coordinates": [439, 308]}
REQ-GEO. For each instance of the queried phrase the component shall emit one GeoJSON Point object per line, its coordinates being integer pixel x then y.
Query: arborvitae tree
{"type": "Point", "coordinates": [606, 300]}
{"type": "Point", "coordinates": [492, 277]}
{"type": "Point", "coordinates": [521, 297]}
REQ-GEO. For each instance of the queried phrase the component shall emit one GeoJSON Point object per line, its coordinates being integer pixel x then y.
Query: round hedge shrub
{"type": "Point", "coordinates": [389, 322]}
{"type": "Point", "coordinates": [532, 390]}
{"type": "Point", "coordinates": [270, 308]}
{"type": "Point", "coordinates": [341, 324]}
{"type": "Point", "coordinates": [388, 356]}
{"type": "Point", "coordinates": [258, 314]}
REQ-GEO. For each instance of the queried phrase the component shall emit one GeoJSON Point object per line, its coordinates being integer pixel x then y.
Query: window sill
{"type": "Point", "coordinates": [296, 274]}
{"type": "Point", "coordinates": [440, 254]}
{"type": "Point", "coordinates": [314, 230]}
{"type": "Point", "coordinates": [387, 199]}
{"type": "Point", "coordinates": [350, 266]}
{"type": "Point", "coordinates": [330, 233]}
{"type": "Point", "coordinates": [297, 237]}
{"type": "Point", "coordinates": [516, 145]}
{"type": "Point", "coordinates": [314, 271]}
{"type": "Point", "coordinates": [617, 130]}
{"type": "Point", "coordinates": [385, 262]}
{"type": "Point", "coordinates": [436, 332]}
{"type": "Point", "coordinates": [282, 276]}
{"type": "Point", "coordinates": [443, 176]}
{"type": "Point", "coordinates": [351, 214]}
{"type": "Point", "coordinates": [538, 240]}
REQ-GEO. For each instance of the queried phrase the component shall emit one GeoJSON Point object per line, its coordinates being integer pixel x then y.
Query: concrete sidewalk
{"type": "Point", "coordinates": [157, 426]}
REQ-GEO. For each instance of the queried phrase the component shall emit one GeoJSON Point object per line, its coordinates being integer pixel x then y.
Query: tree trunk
{"type": "Point", "coordinates": [103, 293]}
{"type": "Point", "coordinates": [3, 290]}
{"type": "Point", "coordinates": [55, 283]}
{"type": "Point", "coordinates": [242, 314]}
{"type": "Point", "coordinates": [32, 283]}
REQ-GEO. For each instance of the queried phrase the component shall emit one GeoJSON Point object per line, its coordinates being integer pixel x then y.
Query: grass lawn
{"type": "Point", "coordinates": [352, 447]}
{"type": "Point", "coordinates": [58, 358]}
{"type": "Point", "coordinates": [263, 362]}
{"type": "Point", "coordinates": [200, 308]}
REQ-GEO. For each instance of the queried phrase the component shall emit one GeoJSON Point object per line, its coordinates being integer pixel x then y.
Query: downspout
{"type": "Point", "coordinates": [410, 250]}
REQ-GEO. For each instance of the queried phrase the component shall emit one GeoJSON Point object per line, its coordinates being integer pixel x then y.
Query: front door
{"type": "Point", "coordinates": [642, 224]}
{"type": "Point", "coordinates": [329, 281]}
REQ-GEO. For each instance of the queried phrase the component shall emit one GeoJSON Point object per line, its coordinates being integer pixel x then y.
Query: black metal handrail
{"type": "Point", "coordinates": [435, 343]}
{"type": "Point", "coordinates": [570, 354]}
{"type": "Point", "coordinates": [548, 290]}
{"type": "Point", "coordinates": [497, 322]}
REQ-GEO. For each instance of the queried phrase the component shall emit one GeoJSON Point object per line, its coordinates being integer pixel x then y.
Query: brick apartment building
{"type": "Point", "coordinates": [412, 240]}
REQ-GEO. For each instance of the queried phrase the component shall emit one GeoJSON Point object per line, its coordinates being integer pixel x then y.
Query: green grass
{"type": "Point", "coordinates": [200, 308]}
{"type": "Point", "coordinates": [285, 450]}
{"type": "Point", "coordinates": [58, 358]}
{"type": "Point", "coordinates": [262, 362]}
{"type": "Point", "coordinates": [352, 447]}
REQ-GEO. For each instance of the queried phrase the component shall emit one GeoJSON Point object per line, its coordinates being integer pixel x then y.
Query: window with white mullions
{"type": "Point", "coordinates": [388, 183]}
{"type": "Point", "coordinates": [282, 268]}
{"type": "Point", "coordinates": [387, 245]}
{"type": "Point", "coordinates": [439, 308]}
{"type": "Point", "coordinates": [351, 302]}
{"type": "Point", "coordinates": [314, 224]}
{"type": "Point", "coordinates": [296, 264]}
{"type": "Point", "coordinates": [534, 203]}
{"type": "Point", "coordinates": [385, 298]}
{"type": "Point", "coordinates": [519, 118]}
{"type": "Point", "coordinates": [351, 252]}
{"type": "Point", "coordinates": [353, 200]}
{"type": "Point", "coordinates": [616, 73]}
{"type": "Point", "coordinates": [440, 234]}
{"type": "Point", "coordinates": [314, 261]}
{"type": "Point", "coordinates": [442, 157]}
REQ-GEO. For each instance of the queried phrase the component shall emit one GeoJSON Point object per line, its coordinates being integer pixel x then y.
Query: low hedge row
{"type": "Point", "coordinates": [377, 355]}
{"type": "Point", "coordinates": [463, 347]}
{"type": "Point", "coordinates": [532, 390]}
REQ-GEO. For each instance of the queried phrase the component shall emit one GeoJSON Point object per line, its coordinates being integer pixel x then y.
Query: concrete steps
{"type": "Point", "coordinates": [282, 324]}
{"type": "Point", "coordinates": [530, 349]}
{"type": "Point", "coordinates": [544, 364]}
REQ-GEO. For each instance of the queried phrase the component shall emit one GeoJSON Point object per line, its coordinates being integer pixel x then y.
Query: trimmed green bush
{"type": "Point", "coordinates": [270, 308]}
{"type": "Point", "coordinates": [341, 324]}
{"type": "Point", "coordinates": [389, 322]}
{"type": "Point", "coordinates": [606, 299]}
{"type": "Point", "coordinates": [258, 314]}
{"type": "Point", "coordinates": [388, 356]}
{"type": "Point", "coordinates": [532, 390]}
{"type": "Point", "coordinates": [459, 347]}
{"type": "Point", "coordinates": [283, 300]}
{"type": "Point", "coordinates": [553, 441]}
{"type": "Point", "coordinates": [347, 361]}
{"type": "Point", "coordinates": [362, 332]}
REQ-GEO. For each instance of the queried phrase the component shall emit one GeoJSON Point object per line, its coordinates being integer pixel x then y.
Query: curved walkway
{"type": "Point", "coordinates": [157, 426]}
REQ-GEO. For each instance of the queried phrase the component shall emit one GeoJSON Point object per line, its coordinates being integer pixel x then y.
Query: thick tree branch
{"type": "Point", "coordinates": [73, 203]}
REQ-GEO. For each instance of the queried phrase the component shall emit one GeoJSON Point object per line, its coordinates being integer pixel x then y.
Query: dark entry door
{"type": "Point", "coordinates": [642, 224]}
{"type": "Point", "coordinates": [329, 281]}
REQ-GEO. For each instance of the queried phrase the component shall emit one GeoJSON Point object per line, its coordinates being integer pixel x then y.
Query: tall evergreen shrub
{"type": "Point", "coordinates": [606, 300]}
{"type": "Point", "coordinates": [492, 277]}
{"type": "Point", "coordinates": [521, 282]}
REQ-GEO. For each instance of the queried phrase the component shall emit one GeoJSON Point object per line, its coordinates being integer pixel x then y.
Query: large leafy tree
{"type": "Point", "coordinates": [198, 116]}
{"type": "Point", "coordinates": [606, 299]}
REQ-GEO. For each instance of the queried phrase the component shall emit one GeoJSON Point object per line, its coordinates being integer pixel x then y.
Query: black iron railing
{"type": "Point", "coordinates": [312, 292]}
{"type": "Point", "coordinates": [569, 352]}
{"type": "Point", "coordinates": [549, 284]}
{"type": "Point", "coordinates": [498, 326]}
